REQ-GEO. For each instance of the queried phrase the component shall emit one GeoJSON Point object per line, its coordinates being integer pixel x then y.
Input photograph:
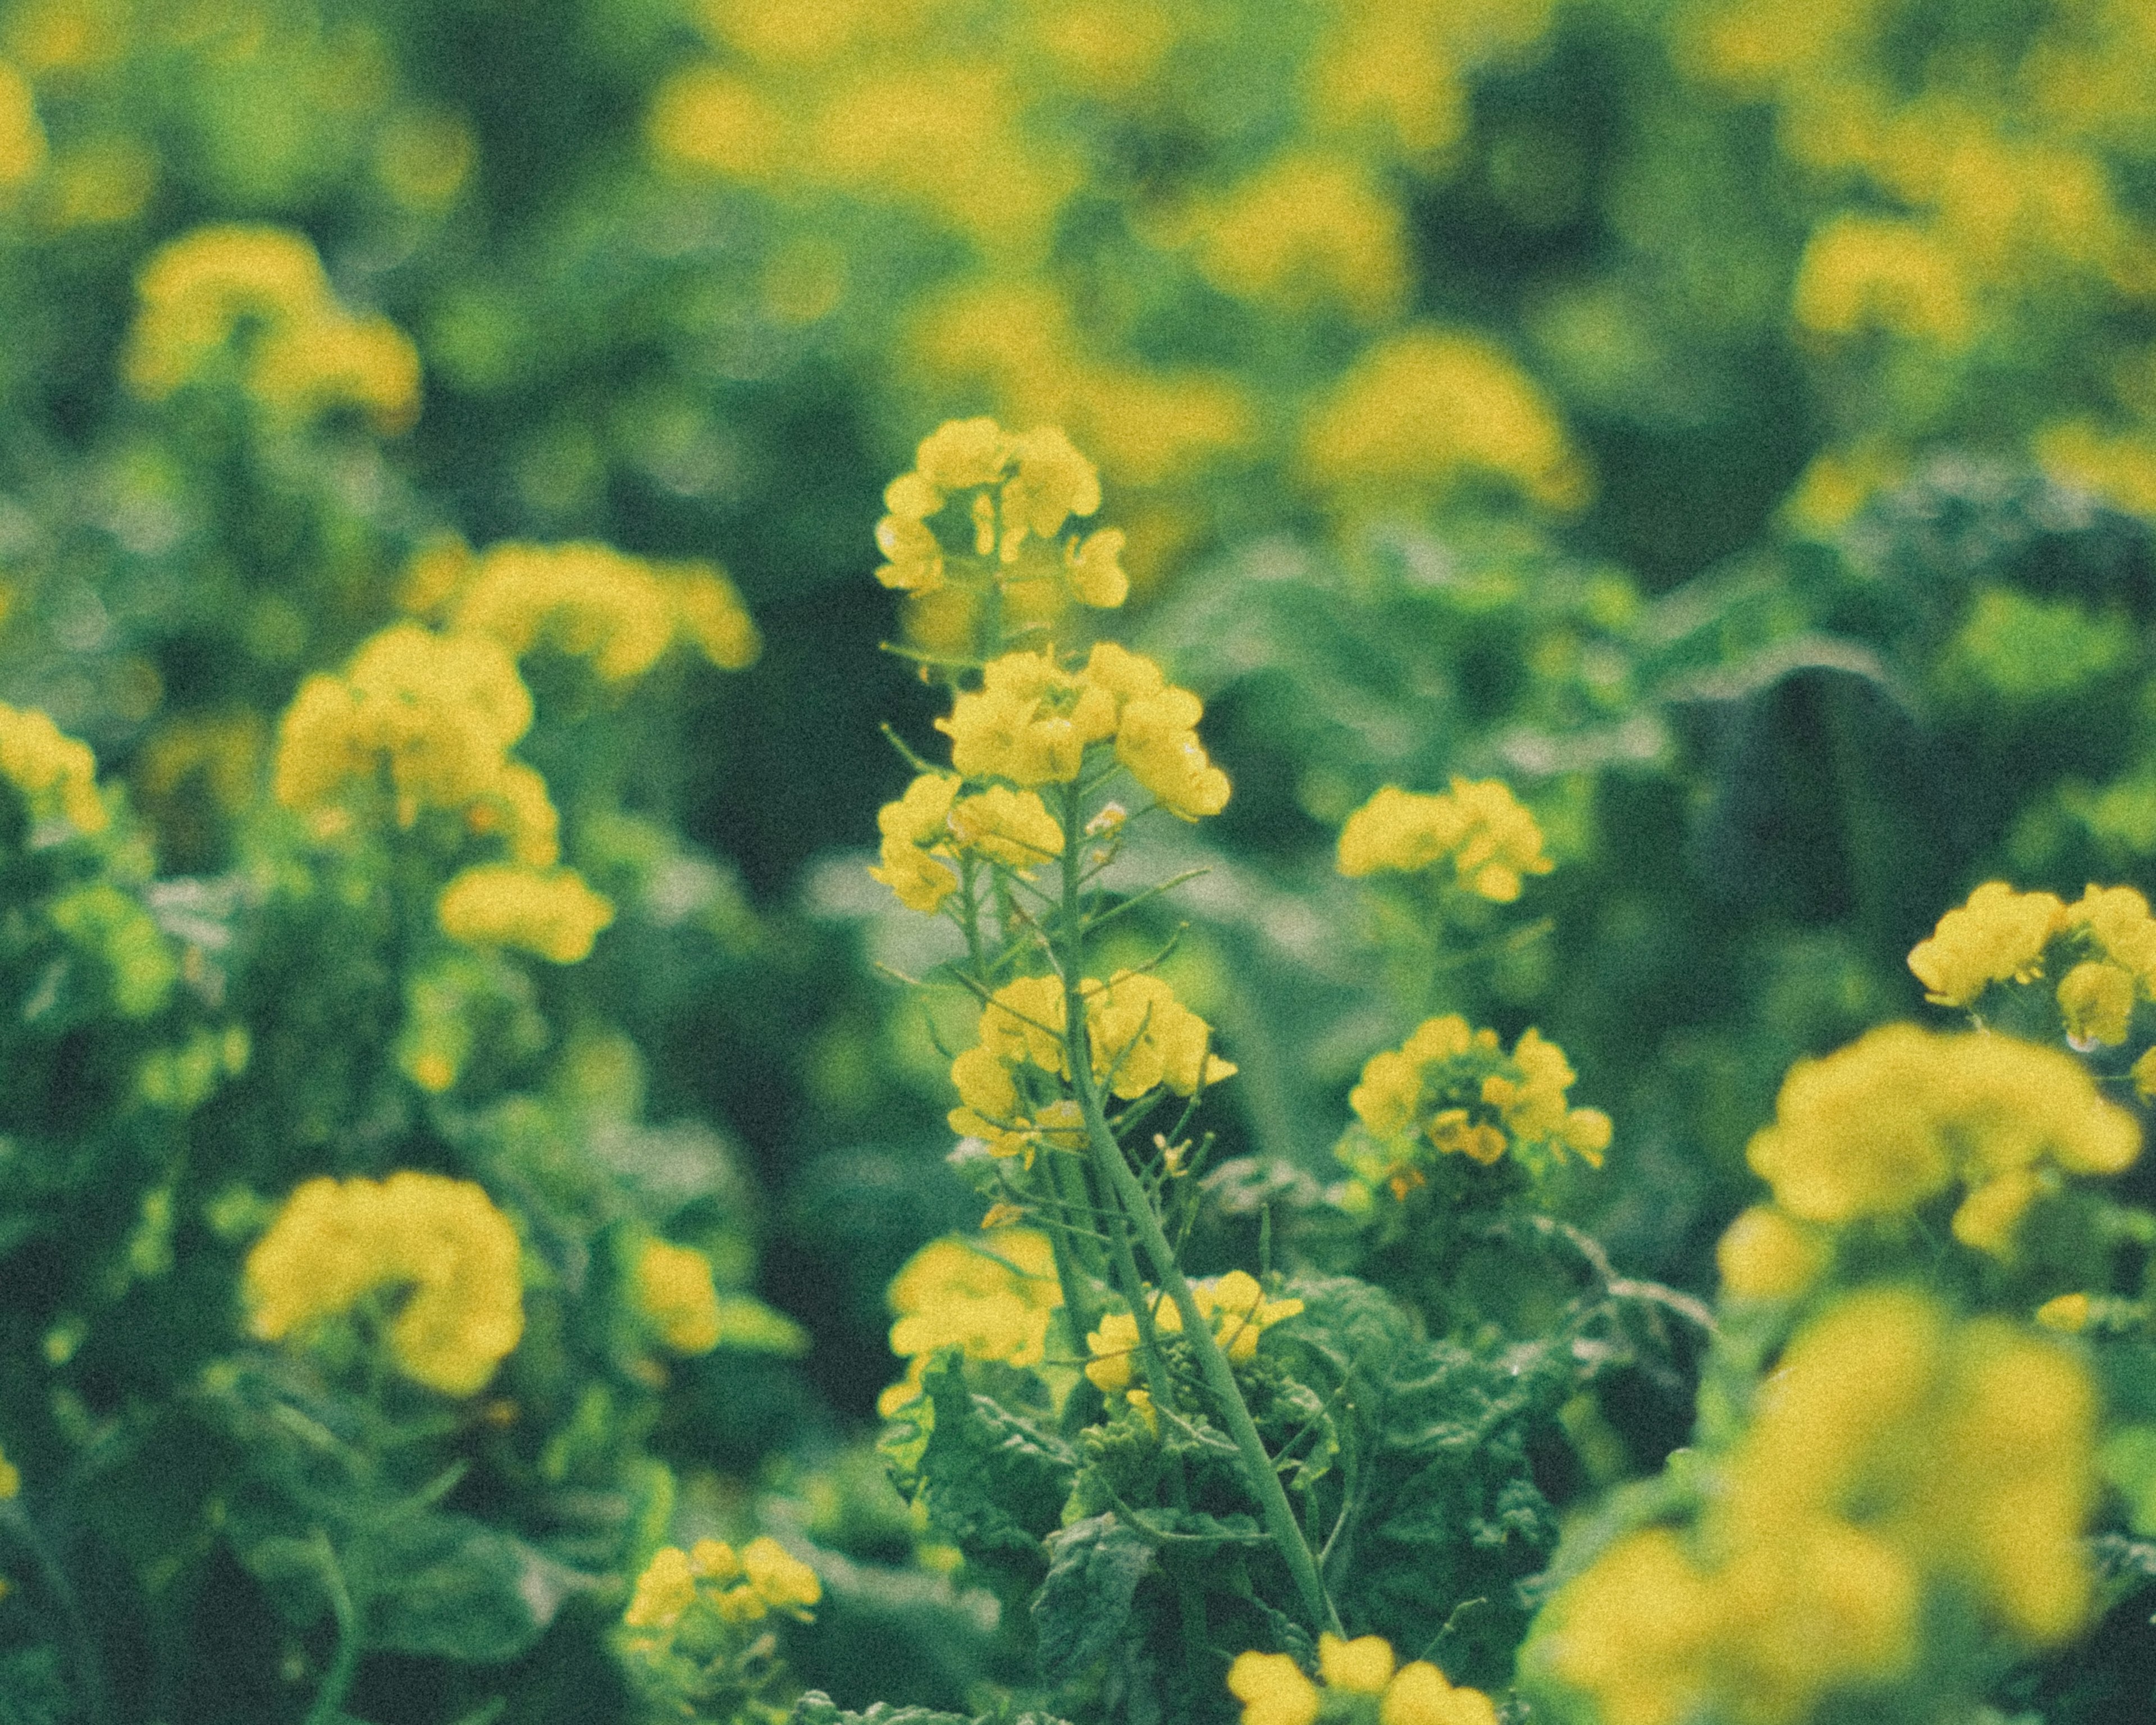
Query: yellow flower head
{"type": "Point", "coordinates": [665, 1590]}
{"type": "Point", "coordinates": [781, 1580]}
{"type": "Point", "coordinates": [1491, 839]}
{"type": "Point", "coordinates": [913, 831]}
{"type": "Point", "coordinates": [1029, 723]}
{"type": "Point", "coordinates": [335, 1242]}
{"type": "Point", "coordinates": [1458, 1089]}
{"type": "Point", "coordinates": [1274, 1692]}
{"type": "Point", "coordinates": [1233, 1306]}
{"type": "Point", "coordinates": [596, 603]}
{"type": "Point", "coordinates": [1999, 935]}
{"type": "Point", "coordinates": [990, 1297]}
{"type": "Point", "coordinates": [308, 352]}
{"type": "Point", "coordinates": [549, 912]}
{"type": "Point", "coordinates": [674, 1289]}
{"type": "Point", "coordinates": [1902, 1114]}
{"type": "Point", "coordinates": [1764, 1255]}
{"type": "Point", "coordinates": [56, 774]}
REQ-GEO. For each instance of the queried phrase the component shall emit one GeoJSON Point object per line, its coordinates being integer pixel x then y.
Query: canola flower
{"type": "Point", "coordinates": [1234, 1306]}
{"type": "Point", "coordinates": [2103, 947]}
{"type": "Point", "coordinates": [592, 602]}
{"type": "Point", "coordinates": [1491, 839]}
{"type": "Point", "coordinates": [991, 1296]}
{"type": "Point", "coordinates": [1141, 1036]}
{"type": "Point", "coordinates": [930, 826]}
{"type": "Point", "coordinates": [1897, 1452]}
{"type": "Point", "coordinates": [435, 715]}
{"type": "Point", "coordinates": [1902, 1115]}
{"type": "Point", "coordinates": [549, 912]}
{"type": "Point", "coordinates": [306, 353]}
{"type": "Point", "coordinates": [336, 1242]}
{"type": "Point", "coordinates": [740, 1588]}
{"type": "Point", "coordinates": [1031, 722]}
{"type": "Point", "coordinates": [675, 1291]}
{"type": "Point", "coordinates": [1363, 1682]}
{"type": "Point", "coordinates": [1766, 1254]}
{"type": "Point", "coordinates": [1456, 1089]}
{"type": "Point", "coordinates": [1426, 408]}
{"type": "Point", "coordinates": [55, 774]}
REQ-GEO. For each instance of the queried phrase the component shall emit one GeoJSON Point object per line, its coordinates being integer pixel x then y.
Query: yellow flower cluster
{"type": "Point", "coordinates": [56, 773]}
{"type": "Point", "coordinates": [1457, 1088]}
{"type": "Point", "coordinates": [674, 1289]}
{"type": "Point", "coordinates": [1024, 486]}
{"type": "Point", "coordinates": [1902, 1114]}
{"type": "Point", "coordinates": [1308, 229]}
{"type": "Point", "coordinates": [1491, 839]}
{"type": "Point", "coordinates": [1031, 722]}
{"type": "Point", "coordinates": [438, 713]}
{"type": "Point", "coordinates": [990, 1296]}
{"type": "Point", "coordinates": [336, 1242]}
{"type": "Point", "coordinates": [1141, 1037]}
{"type": "Point", "coordinates": [1275, 1691]}
{"type": "Point", "coordinates": [1765, 1255]}
{"type": "Point", "coordinates": [931, 823]}
{"type": "Point", "coordinates": [550, 912]}
{"type": "Point", "coordinates": [306, 352]}
{"type": "Point", "coordinates": [618, 611]}
{"type": "Point", "coordinates": [1894, 1451]}
{"type": "Point", "coordinates": [1428, 408]}
{"type": "Point", "coordinates": [1233, 1305]}
{"type": "Point", "coordinates": [2004, 935]}
{"type": "Point", "coordinates": [740, 1587]}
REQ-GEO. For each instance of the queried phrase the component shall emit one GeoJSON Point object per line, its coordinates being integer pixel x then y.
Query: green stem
{"type": "Point", "coordinates": [1115, 1174]}
{"type": "Point", "coordinates": [344, 1664]}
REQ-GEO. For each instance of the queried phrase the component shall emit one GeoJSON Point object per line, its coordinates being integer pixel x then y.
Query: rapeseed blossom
{"type": "Point", "coordinates": [1364, 1675]}
{"type": "Point", "coordinates": [437, 714]}
{"type": "Point", "coordinates": [591, 601]}
{"type": "Point", "coordinates": [989, 1295]}
{"type": "Point", "coordinates": [336, 1242]}
{"type": "Point", "coordinates": [1490, 838]}
{"type": "Point", "coordinates": [549, 912]}
{"type": "Point", "coordinates": [1457, 1089]}
{"type": "Point", "coordinates": [1141, 1037]}
{"type": "Point", "coordinates": [1234, 1306]}
{"type": "Point", "coordinates": [56, 773]}
{"type": "Point", "coordinates": [742, 1587]}
{"type": "Point", "coordinates": [1895, 1451]}
{"type": "Point", "coordinates": [306, 352]}
{"type": "Point", "coordinates": [1903, 1114]}
{"type": "Point", "coordinates": [674, 1289]}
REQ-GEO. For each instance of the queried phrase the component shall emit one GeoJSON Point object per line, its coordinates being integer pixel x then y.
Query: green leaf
{"type": "Point", "coordinates": [453, 1587]}
{"type": "Point", "coordinates": [817, 1708]}
{"type": "Point", "coordinates": [994, 1479]}
{"type": "Point", "coordinates": [1084, 1608]}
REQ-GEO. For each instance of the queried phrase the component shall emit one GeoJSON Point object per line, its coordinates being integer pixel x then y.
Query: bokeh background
{"type": "Point", "coordinates": [1733, 424]}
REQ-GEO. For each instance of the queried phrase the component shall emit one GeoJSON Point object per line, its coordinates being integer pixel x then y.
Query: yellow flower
{"type": "Point", "coordinates": [1010, 827]}
{"type": "Point", "coordinates": [1426, 408]}
{"type": "Point", "coordinates": [1999, 934]}
{"type": "Point", "coordinates": [1272, 1690]}
{"type": "Point", "coordinates": [913, 828]}
{"type": "Point", "coordinates": [333, 360]}
{"type": "Point", "coordinates": [1364, 1664]}
{"type": "Point", "coordinates": [335, 1242]}
{"type": "Point", "coordinates": [674, 1289]}
{"type": "Point", "coordinates": [1860, 272]}
{"type": "Point", "coordinates": [1095, 568]}
{"type": "Point", "coordinates": [1304, 229]}
{"type": "Point", "coordinates": [665, 1590]}
{"type": "Point", "coordinates": [1143, 1037]}
{"type": "Point", "coordinates": [781, 1579]}
{"type": "Point", "coordinates": [1900, 1114]}
{"type": "Point", "coordinates": [588, 600]}
{"type": "Point", "coordinates": [56, 774]}
{"type": "Point", "coordinates": [11, 1479]}
{"type": "Point", "coordinates": [960, 453]}
{"type": "Point", "coordinates": [1233, 1306]}
{"type": "Point", "coordinates": [549, 912]}
{"type": "Point", "coordinates": [1029, 722]}
{"type": "Point", "coordinates": [1156, 739]}
{"type": "Point", "coordinates": [1463, 1093]}
{"type": "Point", "coordinates": [438, 711]}
{"type": "Point", "coordinates": [2068, 1313]}
{"type": "Point", "coordinates": [1764, 1255]}
{"type": "Point", "coordinates": [1491, 839]}
{"type": "Point", "coordinates": [990, 1296]}
{"type": "Point", "coordinates": [2095, 999]}
{"type": "Point", "coordinates": [1420, 1696]}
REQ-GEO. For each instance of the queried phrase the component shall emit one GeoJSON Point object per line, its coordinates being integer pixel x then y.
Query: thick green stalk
{"type": "Point", "coordinates": [1116, 1175]}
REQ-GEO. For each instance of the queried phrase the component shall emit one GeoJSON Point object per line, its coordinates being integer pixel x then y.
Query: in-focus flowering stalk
{"type": "Point", "coordinates": [1036, 735]}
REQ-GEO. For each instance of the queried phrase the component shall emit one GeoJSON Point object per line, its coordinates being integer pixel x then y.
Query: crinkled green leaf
{"type": "Point", "coordinates": [1084, 1608]}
